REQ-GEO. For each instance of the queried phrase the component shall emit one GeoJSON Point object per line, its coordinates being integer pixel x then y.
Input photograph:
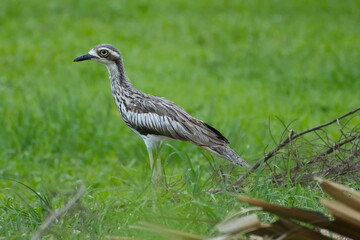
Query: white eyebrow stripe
{"type": "Point", "coordinates": [114, 53]}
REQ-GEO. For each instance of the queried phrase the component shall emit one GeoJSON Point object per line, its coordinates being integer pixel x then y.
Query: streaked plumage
{"type": "Point", "coordinates": [155, 118]}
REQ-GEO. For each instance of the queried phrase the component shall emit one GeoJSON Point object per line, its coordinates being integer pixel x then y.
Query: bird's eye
{"type": "Point", "coordinates": [104, 53]}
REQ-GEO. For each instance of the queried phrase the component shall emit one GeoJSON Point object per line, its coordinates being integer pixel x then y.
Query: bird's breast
{"type": "Point", "coordinates": [121, 106]}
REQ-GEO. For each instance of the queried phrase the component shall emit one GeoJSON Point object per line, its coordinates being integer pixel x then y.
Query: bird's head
{"type": "Point", "coordinates": [104, 53]}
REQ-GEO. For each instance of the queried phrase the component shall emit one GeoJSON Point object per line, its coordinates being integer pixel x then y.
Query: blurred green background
{"type": "Point", "coordinates": [237, 65]}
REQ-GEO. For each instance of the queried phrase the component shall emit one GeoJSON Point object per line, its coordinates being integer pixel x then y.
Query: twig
{"type": "Point", "coordinates": [314, 159]}
{"type": "Point", "coordinates": [339, 169]}
{"type": "Point", "coordinates": [58, 213]}
{"type": "Point", "coordinates": [286, 142]}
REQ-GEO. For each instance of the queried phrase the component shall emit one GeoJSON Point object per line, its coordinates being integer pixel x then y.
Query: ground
{"type": "Point", "coordinates": [238, 65]}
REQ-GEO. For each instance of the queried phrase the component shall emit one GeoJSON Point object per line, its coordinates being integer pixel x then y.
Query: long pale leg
{"type": "Point", "coordinates": [156, 170]}
{"type": "Point", "coordinates": [158, 167]}
{"type": "Point", "coordinates": [151, 158]}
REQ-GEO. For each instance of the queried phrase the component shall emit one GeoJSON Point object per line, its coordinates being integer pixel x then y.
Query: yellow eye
{"type": "Point", "coordinates": [104, 52]}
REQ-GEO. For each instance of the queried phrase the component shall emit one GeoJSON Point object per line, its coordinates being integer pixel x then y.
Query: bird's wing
{"type": "Point", "coordinates": [155, 115]}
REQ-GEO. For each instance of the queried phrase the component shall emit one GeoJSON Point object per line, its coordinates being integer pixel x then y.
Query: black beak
{"type": "Point", "coordinates": [84, 57]}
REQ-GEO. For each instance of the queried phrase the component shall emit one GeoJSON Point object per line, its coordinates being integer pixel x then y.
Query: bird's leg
{"type": "Point", "coordinates": [156, 170]}
{"type": "Point", "coordinates": [158, 167]}
{"type": "Point", "coordinates": [151, 158]}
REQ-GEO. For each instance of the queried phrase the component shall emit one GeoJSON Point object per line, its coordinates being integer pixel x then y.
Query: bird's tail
{"type": "Point", "coordinates": [229, 154]}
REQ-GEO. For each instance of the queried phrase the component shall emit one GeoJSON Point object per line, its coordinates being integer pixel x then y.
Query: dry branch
{"type": "Point", "coordinates": [345, 165]}
{"type": "Point", "coordinates": [293, 136]}
{"type": "Point", "coordinates": [337, 170]}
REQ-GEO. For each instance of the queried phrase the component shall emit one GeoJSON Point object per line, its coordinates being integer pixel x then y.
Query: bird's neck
{"type": "Point", "coordinates": [118, 77]}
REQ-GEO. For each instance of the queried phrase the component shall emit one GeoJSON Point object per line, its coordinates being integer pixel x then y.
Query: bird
{"type": "Point", "coordinates": [156, 119]}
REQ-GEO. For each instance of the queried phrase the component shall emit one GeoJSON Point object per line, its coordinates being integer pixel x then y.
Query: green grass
{"type": "Point", "coordinates": [234, 64]}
